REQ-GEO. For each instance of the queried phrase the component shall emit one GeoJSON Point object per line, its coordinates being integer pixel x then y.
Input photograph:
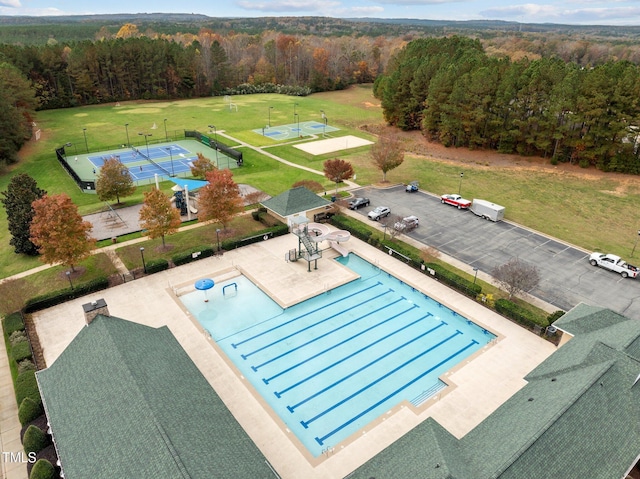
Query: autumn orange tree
{"type": "Point", "coordinates": [158, 216]}
{"type": "Point", "coordinates": [201, 166]}
{"type": "Point", "coordinates": [387, 154]}
{"type": "Point", "coordinates": [59, 232]}
{"type": "Point", "coordinates": [114, 181]}
{"type": "Point", "coordinates": [220, 200]}
{"type": "Point", "coordinates": [337, 170]}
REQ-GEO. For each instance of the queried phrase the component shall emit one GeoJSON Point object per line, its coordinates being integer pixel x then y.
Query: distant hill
{"type": "Point", "coordinates": [28, 30]}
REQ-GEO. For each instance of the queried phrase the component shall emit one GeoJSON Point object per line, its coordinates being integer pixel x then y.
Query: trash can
{"type": "Point", "coordinates": [333, 199]}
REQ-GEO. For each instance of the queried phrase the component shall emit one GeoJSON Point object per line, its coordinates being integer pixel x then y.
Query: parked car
{"type": "Point", "coordinates": [356, 203]}
{"type": "Point", "coordinates": [407, 224]}
{"type": "Point", "coordinates": [455, 200]}
{"type": "Point", "coordinates": [379, 212]}
{"type": "Point", "coordinates": [412, 187]}
{"type": "Point", "coordinates": [614, 263]}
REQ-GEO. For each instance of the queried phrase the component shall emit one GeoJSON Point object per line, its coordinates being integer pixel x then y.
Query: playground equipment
{"type": "Point", "coordinates": [311, 234]}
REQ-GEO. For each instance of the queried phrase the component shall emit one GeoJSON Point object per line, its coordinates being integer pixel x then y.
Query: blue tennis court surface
{"type": "Point", "coordinates": [295, 130]}
{"type": "Point", "coordinates": [333, 364]}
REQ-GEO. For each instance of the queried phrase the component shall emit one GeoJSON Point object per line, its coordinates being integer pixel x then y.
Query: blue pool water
{"type": "Point", "coordinates": [334, 363]}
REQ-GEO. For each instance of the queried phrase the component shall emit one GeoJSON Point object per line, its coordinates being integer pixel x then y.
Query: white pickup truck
{"type": "Point", "coordinates": [614, 263]}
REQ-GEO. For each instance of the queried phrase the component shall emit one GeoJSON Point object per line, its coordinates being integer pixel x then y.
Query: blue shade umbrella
{"type": "Point", "coordinates": [204, 285]}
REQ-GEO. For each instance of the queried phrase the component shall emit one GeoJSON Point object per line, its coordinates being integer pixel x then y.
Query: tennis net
{"type": "Point", "coordinates": [151, 161]}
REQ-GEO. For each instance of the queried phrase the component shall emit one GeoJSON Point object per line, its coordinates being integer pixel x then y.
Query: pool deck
{"type": "Point", "coordinates": [478, 386]}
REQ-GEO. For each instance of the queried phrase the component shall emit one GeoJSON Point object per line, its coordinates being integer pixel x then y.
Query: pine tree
{"type": "Point", "coordinates": [21, 192]}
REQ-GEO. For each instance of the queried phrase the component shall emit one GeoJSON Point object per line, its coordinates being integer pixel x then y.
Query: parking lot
{"type": "Point", "coordinates": [567, 276]}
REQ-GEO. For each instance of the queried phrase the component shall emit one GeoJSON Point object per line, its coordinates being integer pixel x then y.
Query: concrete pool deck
{"type": "Point", "coordinates": [478, 386]}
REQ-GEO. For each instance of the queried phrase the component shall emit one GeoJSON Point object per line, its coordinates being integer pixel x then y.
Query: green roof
{"type": "Point", "coordinates": [125, 400]}
{"type": "Point", "coordinates": [576, 417]}
{"type": "Point", "coordinates": [295, 200]}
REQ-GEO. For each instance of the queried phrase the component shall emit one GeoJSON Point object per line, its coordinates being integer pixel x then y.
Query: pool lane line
{"type": "Point", "coordinates": [302, 381]}
{"type": "Point", "coordinates": [320, 440]}
{"type": "Point", "coordinates": [235, 345]}
{"type": "Point", "coordinates": [310, 326]}
{"type": "Point", "coordinates": [325, 334]}
{"type": "Point", "coordinates": [368, 365]}
{"type": "Point", "coordinates": [320, 353]}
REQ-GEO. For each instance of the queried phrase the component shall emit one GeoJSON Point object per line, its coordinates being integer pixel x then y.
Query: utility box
{"type": "Point", "coordinates": [487, 210]}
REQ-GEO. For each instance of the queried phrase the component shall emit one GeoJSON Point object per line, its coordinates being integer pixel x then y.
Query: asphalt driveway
{"type": "Point", "coordinates": [567, 276]}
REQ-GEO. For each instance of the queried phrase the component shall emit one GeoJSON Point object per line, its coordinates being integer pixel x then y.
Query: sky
{"type": "Point", "coordinates": [574, 12]}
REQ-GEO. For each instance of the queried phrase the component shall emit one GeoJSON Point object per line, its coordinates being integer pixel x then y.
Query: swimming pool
{"type": "Point", "coordinates": [331, 365]}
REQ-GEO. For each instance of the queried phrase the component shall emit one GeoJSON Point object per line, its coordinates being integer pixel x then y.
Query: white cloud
{"type": "Point", "coordinates": [418, 2]}
{"type": "Point", "coordinates": [10, 3]}
{"type": "Point", "coordinates": [288, 5]}
{"type": "Point", "coordinates": [540, 13]}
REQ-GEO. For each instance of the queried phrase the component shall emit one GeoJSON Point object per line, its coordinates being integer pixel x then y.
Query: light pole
{"type": "Point", "coordinates": [298, 118]}
{"type": "Point", "coordinates": [166, 137]}
{"type": "Point", "coordinates": [460, 185]}
{"type": "Point", "coordinates": [294, 111]}
{"type": "Point", "coordinates": [126, 127]}
{"type": "Point", "coordinates": [269, 122]}
{"type": "Point", "coordinates": [215, 133]}
{"type": "Point", "coordinates": [324, 123]}
{"type": "Point", "coordinates": [218, 238]}
{"type": "Point", "coordinates": [636, 244]}
{"type": "Point", "coordinates": [476, 275]}
{"type": "Point", "coordinates": [168, 148]}
{"type": "Point", "coordinates": [68, 273]}
{"type": "Point", "coordinates": [144, 265]}
{"type": "Point", "coordinates": [86, 145]}
{"type": "Point", "coordinates": [145, 141]}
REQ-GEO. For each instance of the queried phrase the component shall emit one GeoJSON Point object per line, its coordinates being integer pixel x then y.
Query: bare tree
{"type": "Point", "coordinates": [516, 276]}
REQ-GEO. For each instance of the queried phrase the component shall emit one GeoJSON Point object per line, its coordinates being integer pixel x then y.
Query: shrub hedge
{"type": "Point", "coordinates": [555, 316]}
{"type": "Point", "coordinates": [157, 265]}
{"type": "Point", "coordinates": [42, 469]}
{"type": "Point", "coordinates": [34, 440]}
{"type": "Point", "coordinates": [13, 322]}
{"type": "Point", "coordinates": [58, 297]}
{"type": "Point", "coordinates": [356, 228]}
{"type": "Point", "coordinates": [458, 282]}
{"type": "Point", "coordinates": [187, 256]}
{"type": "Point", "coordinates": [271, 232]}
{"type": "Point", "coordinates": [519, 314]}
{"type": "Point", "coordinates": [21, 351]}
{"type": "Point", "coordinates": [29, 410]}
{"type": "Point", "coordinates": [27, 387]}
{"type": "Point", "coordinates": [18, 337]}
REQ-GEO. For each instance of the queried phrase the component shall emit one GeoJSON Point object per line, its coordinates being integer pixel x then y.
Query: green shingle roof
{"type": "Point", "coordinates": [577, 416]}
{"type": "Point", "coordinates": [295, 200]}
{"type": "Point", "coordinates": [125, 400]}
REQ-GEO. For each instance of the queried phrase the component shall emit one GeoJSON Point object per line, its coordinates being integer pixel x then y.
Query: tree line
{"type": "Point", "coordinates": [453, 92]}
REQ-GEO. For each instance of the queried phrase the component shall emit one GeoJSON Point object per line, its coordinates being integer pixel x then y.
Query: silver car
{"type": "Point", "coordinates": [379, 212]}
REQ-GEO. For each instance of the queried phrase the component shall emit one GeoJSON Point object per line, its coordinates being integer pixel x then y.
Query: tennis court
{"type": "Point", "coordinates": [145, 162]}
{"type": "Point", "coordinates": [296, 130]}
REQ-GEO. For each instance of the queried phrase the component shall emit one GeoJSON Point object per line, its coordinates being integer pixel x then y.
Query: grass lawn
{"type": "Point", "coordinates": [594, 214]}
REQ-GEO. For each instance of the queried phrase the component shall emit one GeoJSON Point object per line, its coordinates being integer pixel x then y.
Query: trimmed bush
{"type": "Point", "coordinates": [18, 337]}
{"type": "Point", "coordinates": [157, 265]}
{"type": "Point", "coordinates": [42, 469]}
{"type": "Point", "coordinates": [272, 232]}
{"type": "Point", "coordinates": [58, 297]}
{"type": "Point", "coordinates": [27, 387]}
{"type": "Point", "coordinates": [21, 351]}
{"type": "Point", "coordinates": [356, 228]}
{"type": "Point", "coordinates": [555, 316]}
{"type": "Point", "coordinates": [187, 256]}
{"type": "Point", "coordinates": [26, 365]}
{"type": "Point", "coordinates": [458, 282]}
{"type": "Point", "coordinates": [13, 323]}
{"type": "Point", "coordinates": [29, 410]}
{"type": "Point", "coordinates": [519, 314]}
{"type": "Point", "coordinates": [34, 440]}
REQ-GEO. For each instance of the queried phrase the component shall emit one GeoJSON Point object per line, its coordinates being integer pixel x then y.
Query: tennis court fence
{"type": "Point", "coordinates": [82, 184]}
{"type": "Point", "coordinates": [213, 144]}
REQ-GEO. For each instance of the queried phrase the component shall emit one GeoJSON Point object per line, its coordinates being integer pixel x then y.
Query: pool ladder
{"type": "Point", "coordinates": [229, 285]}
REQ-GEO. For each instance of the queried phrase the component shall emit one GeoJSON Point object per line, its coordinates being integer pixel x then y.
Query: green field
{"type": "Point", "coordinates": [595, 214]}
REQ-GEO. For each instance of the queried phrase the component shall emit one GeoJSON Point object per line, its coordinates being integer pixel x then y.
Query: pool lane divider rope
{"type": "Point", "coordinates": [328, 333]}
{"type": "Point", "coordinates": [368, 365]}
{"type": "Point", "coordinates": [320, 440]}
{"type": "Point", "coordinates": [302, 381]}
{"type": "Point", "coordinates": [235, 345]}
